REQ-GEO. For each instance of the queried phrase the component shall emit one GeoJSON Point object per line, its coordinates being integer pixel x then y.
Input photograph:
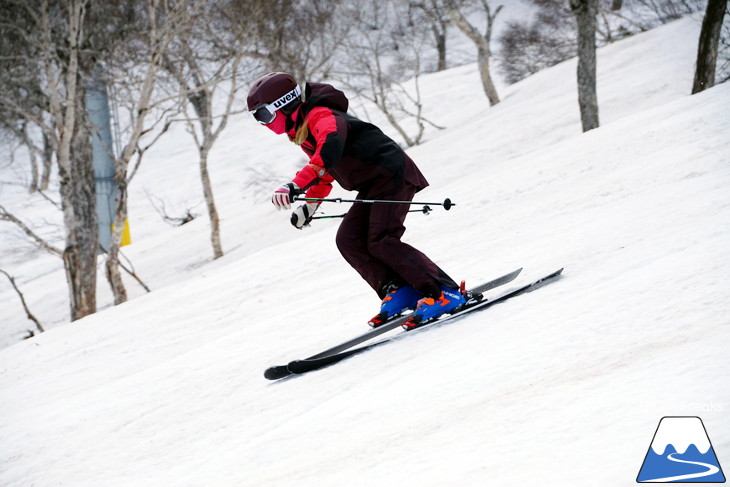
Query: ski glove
{"type": "Point", "coordinates": [301, 217]}
{"type": "Point", "coordinates": [283, 196]}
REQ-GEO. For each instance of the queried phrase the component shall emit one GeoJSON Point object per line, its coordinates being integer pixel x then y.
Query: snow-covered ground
{"type": "Point", "coordinates": [563, 386]}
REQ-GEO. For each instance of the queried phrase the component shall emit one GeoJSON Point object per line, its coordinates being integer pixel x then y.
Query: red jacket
{"type": "Point", "coordinates": [342, 148]}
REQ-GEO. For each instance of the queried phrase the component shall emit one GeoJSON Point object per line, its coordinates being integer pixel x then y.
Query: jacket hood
{"type": "Point", "coordinates": [324, 95]}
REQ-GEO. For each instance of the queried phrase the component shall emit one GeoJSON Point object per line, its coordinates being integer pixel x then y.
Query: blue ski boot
{"type": "Point", "coordinates": [397, 301]}
{"type": "Point", "coordinates": [429, 309]}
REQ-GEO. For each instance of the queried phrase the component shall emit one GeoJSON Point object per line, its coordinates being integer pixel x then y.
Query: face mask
{"type": "Point", "coordinates": [278, 125]}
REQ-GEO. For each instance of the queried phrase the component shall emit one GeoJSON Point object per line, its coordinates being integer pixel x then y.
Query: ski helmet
{"type": "Point", "coordinates": [272, 92]}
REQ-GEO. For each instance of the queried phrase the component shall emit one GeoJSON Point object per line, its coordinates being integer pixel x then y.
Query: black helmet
{"type": "Point", "coordinates": [272, 92]}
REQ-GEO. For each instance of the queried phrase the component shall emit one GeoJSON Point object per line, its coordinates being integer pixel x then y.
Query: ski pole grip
{"type": "Point", "coordinates": [448, 204]}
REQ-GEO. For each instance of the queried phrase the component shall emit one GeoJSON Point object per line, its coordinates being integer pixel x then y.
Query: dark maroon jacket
{"type": "Point", "coordinates": [356, 154]}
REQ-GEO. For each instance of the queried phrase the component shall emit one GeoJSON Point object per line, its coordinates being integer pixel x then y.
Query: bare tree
{"type": "Point", "coordinates": [436, 15]}
{"type": "Point", "coordinates": [300, 37]}
{"type": "Point", "coordinates": [20, 119]}
{"type": "Point", "coordinates": [585, 14]}
{"type": "Point", "coordinates": [163, 22]}
{"type": "Point", "coordinates": [481, 40]}
{"type": "Point", "coordinates": [708, 45]}
{"type": "Point", "coordinates": [205, 63]}
{"type": "Point", "coordinates": [526, 47]}
{"type": "Point", "coordinates": [22, 131]}
{"type": "Point", "coordinates": [382, 55]}
{"type": "Point", "coordinates": [667, 10]}
{"type": "Point", "coordinates": [59, 44]}
{"type": "Point", "coordinates": [61, 36]}
{"type": "Point", "coordinates": [549, 37]}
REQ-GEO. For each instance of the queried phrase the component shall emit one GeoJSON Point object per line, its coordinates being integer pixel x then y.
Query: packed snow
{"type": "Point", "coordinates": [562, 386]}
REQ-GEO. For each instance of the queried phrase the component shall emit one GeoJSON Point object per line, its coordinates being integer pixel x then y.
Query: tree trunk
{"type": "Point", "coordinates": [707, 49]}
{"type": "Point", "coordinates": [482, 43]}
{"type": "Point", "coordinates": [47, 162]}
{"type": "Point", "coordinates": [202, 103]}
{"type": "Point", "coordinates": [439, 34]}
{"type": "Point", "coordinates": [75, 168]}
{"type": "Point", "coordinates": [78, 201]}
{"type": "Point", "coordinates": [32, 154]}
{"type": "Point", "coordinates": [113, 274]}
{"type": "Point", "coordinates": [489, 89]}
{"type": "Point", "coordinates": [215, 230]}
{"type": "Point", "coordinates": [585, 14]}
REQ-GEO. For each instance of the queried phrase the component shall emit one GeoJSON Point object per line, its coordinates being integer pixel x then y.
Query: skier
{"type": "Point", "coordinates": [360, 157]}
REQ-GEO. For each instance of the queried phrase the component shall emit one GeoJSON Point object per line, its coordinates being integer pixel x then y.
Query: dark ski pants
{"type": "Point", "coordinates": [369, 239]}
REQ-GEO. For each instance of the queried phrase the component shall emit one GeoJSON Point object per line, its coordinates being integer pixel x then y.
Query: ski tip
{"type": "Point", "coordinates": [550, 277]}
{"type": "Point", "coordinates": [277, 372]}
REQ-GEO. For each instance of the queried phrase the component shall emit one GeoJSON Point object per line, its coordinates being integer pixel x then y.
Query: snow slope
{"type": "Point", "coordinates": [563, 386]}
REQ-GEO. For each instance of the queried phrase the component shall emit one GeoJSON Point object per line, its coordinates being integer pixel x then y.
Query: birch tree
{"type": "Point", "coordinates": [206, 66]}
{"type": "Point", "coordinates": [57, 45]}
{"type": "Point", "coordinates": [61, 35]}
{"type": "Point", "coordinates": [482, 41]}
{"type": "Point", "coordinates": [162, 23]}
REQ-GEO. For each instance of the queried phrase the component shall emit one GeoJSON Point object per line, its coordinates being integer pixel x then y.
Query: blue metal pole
{"type": "Point", "coordinates": [97, 107]}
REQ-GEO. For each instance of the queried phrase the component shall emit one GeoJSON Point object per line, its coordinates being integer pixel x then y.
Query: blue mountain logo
{"type": "Point", "coordinates": [681, 452]}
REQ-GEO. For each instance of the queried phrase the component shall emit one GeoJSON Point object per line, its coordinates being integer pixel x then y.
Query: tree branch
{"type": "Point", "coordinates": [7, 216]}
{"type": "Point", "coordinates": [25, 305]}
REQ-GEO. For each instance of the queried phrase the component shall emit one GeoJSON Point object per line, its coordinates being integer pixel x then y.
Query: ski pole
{"type": "Point", "coordinates": [425, 210]}
{"type": "Point", "coordinates": [447, 204]}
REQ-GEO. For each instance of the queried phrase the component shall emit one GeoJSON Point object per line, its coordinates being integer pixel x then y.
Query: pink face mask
{"type": "Point", "coordinates": [278, 125]}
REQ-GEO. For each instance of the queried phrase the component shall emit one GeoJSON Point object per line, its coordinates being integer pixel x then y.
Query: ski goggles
{"type": "Point", "coordinates": [266, 114]}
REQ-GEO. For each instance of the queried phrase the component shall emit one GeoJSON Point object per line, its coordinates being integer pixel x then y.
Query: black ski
{"type": "Point", "coordinates": [280, 371]}
{"type": "Point", "coordinates": [308, 365]}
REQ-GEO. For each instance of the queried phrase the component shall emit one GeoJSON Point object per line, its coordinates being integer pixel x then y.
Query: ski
{"type": "Point", "coordinates": [280, 371]}
{"type": "Point", "coordinates": [308, 365]}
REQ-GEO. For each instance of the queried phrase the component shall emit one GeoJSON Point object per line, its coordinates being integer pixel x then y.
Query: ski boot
{"type": "Point", "coordinates": [429, 309]}
{"type": "Point", "coordinates": [397, 301]}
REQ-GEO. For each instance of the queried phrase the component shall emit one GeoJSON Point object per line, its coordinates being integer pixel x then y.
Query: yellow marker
{"type": "Point", "coordinates": [126, 234]}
